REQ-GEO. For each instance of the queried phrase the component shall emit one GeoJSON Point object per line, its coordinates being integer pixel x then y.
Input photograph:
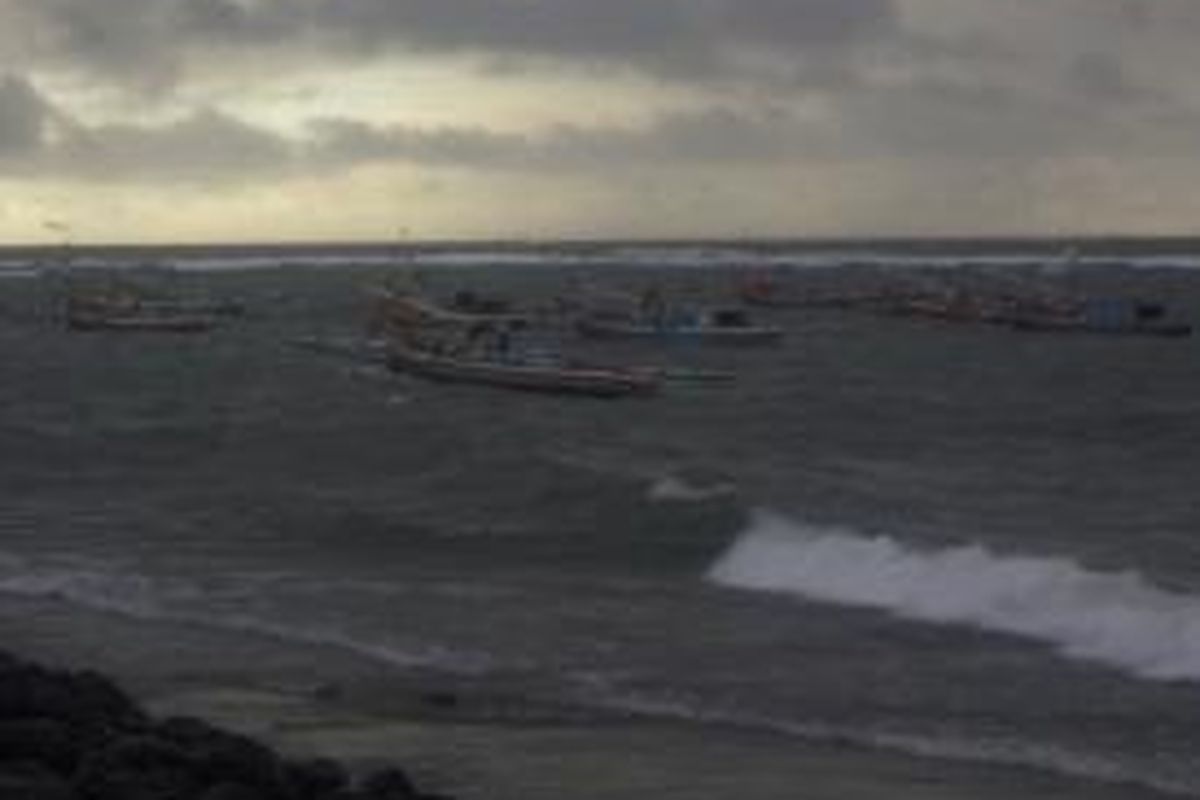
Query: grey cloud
{"type": "Point", "coordinates": [563, 27]}
{"type": "Point", "coordinates": [836, 47]}
{"type": "Point", "coordinates": [976, 119]}
{"type": "Point", "coordinates": [1148, 16]}
{"type": "Point", "coordinates": [925, 118]}
{"type": "Point", "coordinates": [343, 142]}
{"type": "Point", "coordinates": [120, 38]}
{"type": "Point", "coordinates": [24, 118]}
{"type": "Point", "coordinates": [205, 147]}
{"type": "Point", "coordinates": [793, 23]}
{"type": "Point", "coordinates": [147, 41]}
{"type": "Point", "coordinates": [1102, 77]}
{"type": "Point", "coordinates": [210, 146]}
{"type": "Point", "coordinates": [717, 135]}
{"type": "Point", "coordinates": [616, 29]}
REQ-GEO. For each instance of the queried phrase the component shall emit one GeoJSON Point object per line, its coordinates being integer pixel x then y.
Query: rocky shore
{"type": "Point", "coordinates": [76, 735]}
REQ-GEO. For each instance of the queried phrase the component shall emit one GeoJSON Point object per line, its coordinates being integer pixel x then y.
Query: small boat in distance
{"type": "Point", "coordinates": [121, 309]}
{"type": "Point", "coordinates": [1021, 306]}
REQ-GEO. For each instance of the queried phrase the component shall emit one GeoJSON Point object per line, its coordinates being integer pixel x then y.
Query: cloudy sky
{"type": "Point", "coordinates": [219, 120]}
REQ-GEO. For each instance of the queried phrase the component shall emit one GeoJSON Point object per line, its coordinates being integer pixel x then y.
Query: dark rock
{"type": "Point", "coordinates": [77, 736]}
{"type": "Point", "coordinates": [144, 784]}
{"type": "Point", "coordinates": [219, 755]}
{"type": "Point", "coordinates": [46, 741]}
{"type": "Point", "coordinates": [138, 768]}
{"type": "Point", "coordinates": [31, 781]}
{"type": "Point", "coordinates": [230, 791]}
{"type": "Point", "coordinates": [84, 698]}
{"type": "Point", "coordinates": [105, 700]}
{"type": "Point", "coordinates": [29, 691]}
{"type": "Point", "coordinates": [188, 730]}
{"type": "Point", "coordinates": [139, 752]}
{"type": "Point", "coordinates": [387, 784]}
{"type": "Point", "coordinates": [316, 778]}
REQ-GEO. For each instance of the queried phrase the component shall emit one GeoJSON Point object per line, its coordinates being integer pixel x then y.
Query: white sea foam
{"type": "Point", "coordinates": [650, 256]}
{"type": "Point", "coordinates": [670, 488]}
{"type": "Point", "coordinates": [1119, 619]}
{"type": "Point", "coordinates": [109, 588]}
{"type": "Point", "coordinates": [1039, 755]}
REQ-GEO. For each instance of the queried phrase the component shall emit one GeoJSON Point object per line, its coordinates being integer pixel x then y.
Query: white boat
{"type": "Point", "coordinates": [550, 376]}
{"type": "Point", "coordinates": [722, 326]}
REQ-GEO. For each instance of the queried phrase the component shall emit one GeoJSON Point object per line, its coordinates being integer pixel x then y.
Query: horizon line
{"type": "Point", "coordinates": [652, 241]}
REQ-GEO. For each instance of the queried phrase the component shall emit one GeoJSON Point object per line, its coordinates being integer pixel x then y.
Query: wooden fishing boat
{"type": "Point", "coordinates": [552, 376]}
{"type": "Point", "coordinates": [125, 312]}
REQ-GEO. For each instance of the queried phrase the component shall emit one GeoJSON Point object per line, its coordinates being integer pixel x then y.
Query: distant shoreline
{"type": "Point", "coordinates": [1115, 244]}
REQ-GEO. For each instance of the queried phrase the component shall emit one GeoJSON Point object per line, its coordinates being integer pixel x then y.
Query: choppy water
{"type": "Point", "coordinates": [963, 542]}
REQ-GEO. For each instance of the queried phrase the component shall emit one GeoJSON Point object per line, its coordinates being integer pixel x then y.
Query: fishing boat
{"type": "Point", "coordinates": [650, 316]}
{"type": "Point", "coordinates": [525, 374]}
{"type": "Point", "coordinates": [727, 326]}
{"type": "Point", "coordinates": [394, 309]}
{"type": "Point", "coordinates": [126, 312]}
{"type": "Point", "coordinates": [1118, 316]}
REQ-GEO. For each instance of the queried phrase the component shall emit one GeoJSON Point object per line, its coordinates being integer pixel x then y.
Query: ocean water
{"type": "Point", "coordinates": [967, 546]}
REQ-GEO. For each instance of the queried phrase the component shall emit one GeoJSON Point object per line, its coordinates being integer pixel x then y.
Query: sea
{"type": "Point", "coordinates": [889, 558]}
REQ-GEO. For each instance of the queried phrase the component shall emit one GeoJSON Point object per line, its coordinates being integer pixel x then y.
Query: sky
{"type": "Point", "coordinates": [151, 121]}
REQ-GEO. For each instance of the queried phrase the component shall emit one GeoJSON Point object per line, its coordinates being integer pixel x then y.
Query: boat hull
{"type": "Point", "coordinates": [717, 335]}
{"type": "Point", "coordinates": [523, 377]}
{"type": "Point", "coordinates": [132, 324]}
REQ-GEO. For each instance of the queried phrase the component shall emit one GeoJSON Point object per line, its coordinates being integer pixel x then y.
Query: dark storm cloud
{"type": "Point", "coordinates": [872, 87]}
{"type": "Point", "coordinates": [146, 41]}
{"type": "Point", "coordinates": [615, 29]}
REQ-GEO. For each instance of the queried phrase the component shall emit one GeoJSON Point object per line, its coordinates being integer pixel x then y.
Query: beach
{"type": "Point", "coordinates": [316, 703]}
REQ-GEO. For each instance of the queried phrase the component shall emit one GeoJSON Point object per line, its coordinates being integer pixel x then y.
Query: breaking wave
{"type": "Point", "coordinates": [1115, 618]}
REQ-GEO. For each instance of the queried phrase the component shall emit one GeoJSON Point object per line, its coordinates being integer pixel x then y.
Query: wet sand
{"type": "Point", "coordinates": [313, 700]}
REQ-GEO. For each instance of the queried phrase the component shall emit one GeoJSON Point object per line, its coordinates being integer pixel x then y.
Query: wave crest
{"type": "Point", "coordinates": [1116, 618]}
